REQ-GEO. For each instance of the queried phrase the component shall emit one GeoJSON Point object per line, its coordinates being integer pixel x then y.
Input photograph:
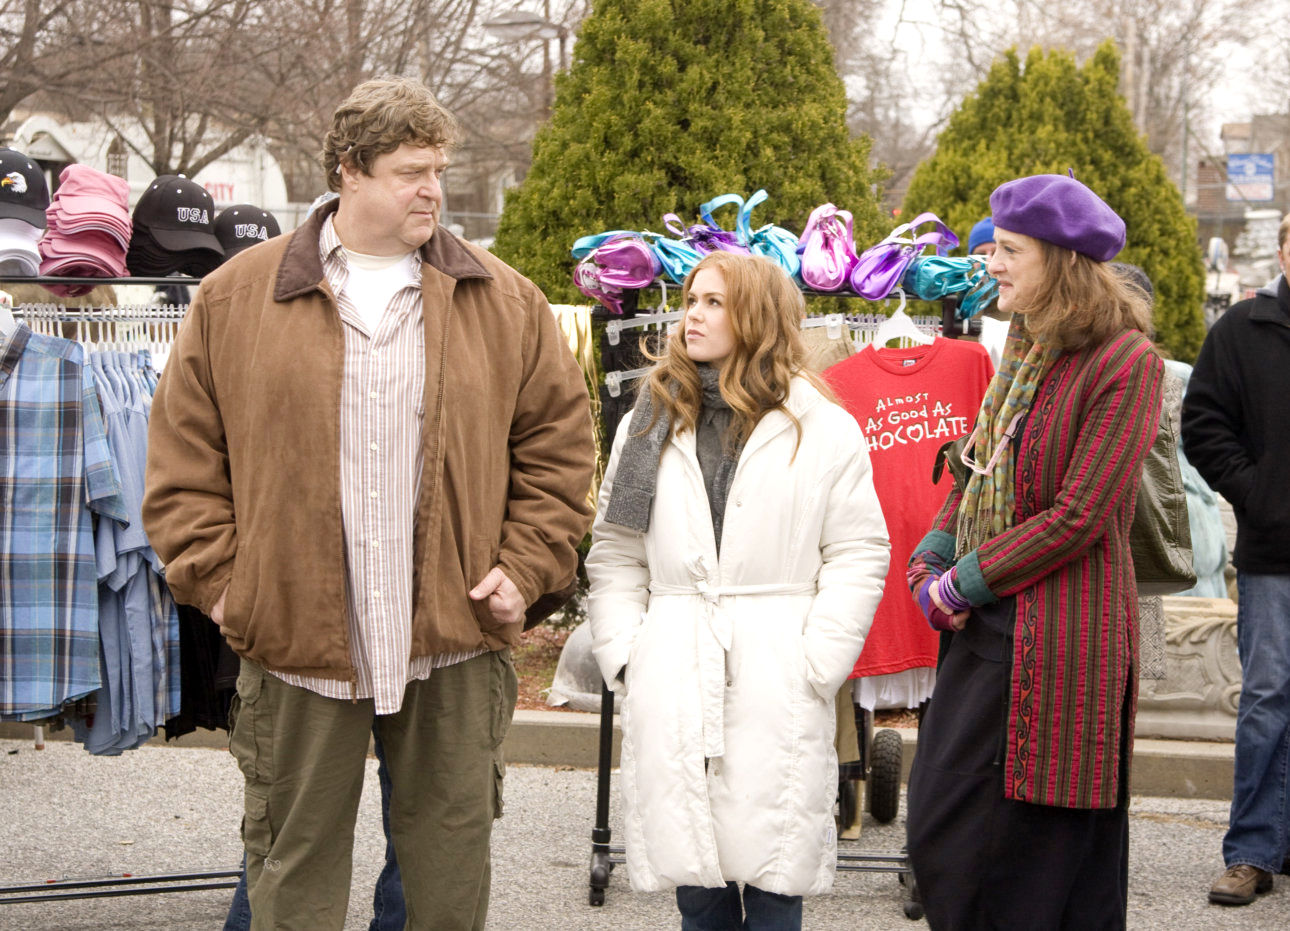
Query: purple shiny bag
{"type": "Point", "coordinates": [826, 248]}
{"type": "Point", "coordinates": [704, 237]}
{"type": "Point", "coordinates": [881, 267]}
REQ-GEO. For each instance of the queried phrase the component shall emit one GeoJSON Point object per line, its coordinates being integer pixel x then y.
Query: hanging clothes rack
{"type": "Point", "coordinates": [118, 327]}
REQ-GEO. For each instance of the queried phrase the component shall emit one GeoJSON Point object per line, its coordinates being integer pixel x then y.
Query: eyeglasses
{"type": "Point", "coordinates": [988, 468]}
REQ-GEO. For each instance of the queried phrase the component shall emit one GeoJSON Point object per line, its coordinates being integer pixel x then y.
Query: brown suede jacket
{"type": "Point", "coordinates": [243, 477]}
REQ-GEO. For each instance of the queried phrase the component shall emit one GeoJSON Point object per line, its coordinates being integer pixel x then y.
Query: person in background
{"type": "Point", "coordinates": [736, 563]}
{"type": "Point", "coordinates": [993, 320]}
{"type": "Point", "coordinates": [370, 502]}
{"type": "Point", "coordinates": [1018, 801]}
{"type": "Point", "coordinates": [1234, 433]}
{"type": "Point", "coordinates": [981, 239]}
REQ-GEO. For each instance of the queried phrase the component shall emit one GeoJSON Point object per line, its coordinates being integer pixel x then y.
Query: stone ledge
{"type": "Point", "coordinates": [1170, 768]}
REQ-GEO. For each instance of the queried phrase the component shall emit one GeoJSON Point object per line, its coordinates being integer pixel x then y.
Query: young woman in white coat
{"type": "Point", "coordinates": [736, 562]}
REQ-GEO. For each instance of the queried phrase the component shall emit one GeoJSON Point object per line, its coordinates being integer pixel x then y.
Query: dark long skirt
{"type": "Point", "coordinates": [983, 861]}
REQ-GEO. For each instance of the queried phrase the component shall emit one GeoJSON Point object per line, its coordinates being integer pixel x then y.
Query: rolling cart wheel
{"type": "Point", "coordinates": [884, 776]}
{"type": "Point", "coordinates": [597, 897]}
{"type": "Point", "coordinates": [913, 903]}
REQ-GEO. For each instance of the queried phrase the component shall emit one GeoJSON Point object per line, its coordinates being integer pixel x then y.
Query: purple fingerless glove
{"type": "Point", "coordinates": [947, 592]}
{"type": "Point", "coordinates": [935, 616]}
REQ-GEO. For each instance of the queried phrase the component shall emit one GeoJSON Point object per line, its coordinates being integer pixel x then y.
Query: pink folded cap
{"type": "Point", "coordinates": [96, 249]}
{"type": "Point", "coordinates": [86, 190]}
{"type": "Point", "coordinates": [119, 228]}
{"type": "Point", "coordinates": [89, 266]}
{"type": "Point", "coordinates": [85, 242]}
{"type": "Point", "coordinates": [71, 268]}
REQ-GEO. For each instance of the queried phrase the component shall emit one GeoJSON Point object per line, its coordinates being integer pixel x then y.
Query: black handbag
{"type": "Point", "coordinates": [1160, 538]}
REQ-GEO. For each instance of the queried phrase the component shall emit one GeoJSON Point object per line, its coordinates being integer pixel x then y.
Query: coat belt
{"type": "Point", "coordinates": [713, 638]}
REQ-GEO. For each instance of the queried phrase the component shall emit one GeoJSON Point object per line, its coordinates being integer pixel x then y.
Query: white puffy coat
{"type": "Point", "coordinates": [732, 664]}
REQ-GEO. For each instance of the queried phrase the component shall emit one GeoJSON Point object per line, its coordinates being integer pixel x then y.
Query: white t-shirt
{"type": "Point", "coordinates": [373, 280]}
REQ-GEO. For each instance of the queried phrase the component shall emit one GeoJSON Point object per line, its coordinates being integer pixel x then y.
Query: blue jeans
{"type": "Point", "coordinates": [718, 909]}
{"type": "Point", "coordinates": [1259, 826]}
{"type": "Point", "coordinates": [388, 913]}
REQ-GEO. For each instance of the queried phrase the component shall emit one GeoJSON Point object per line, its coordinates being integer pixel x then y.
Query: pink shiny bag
{"type": "Point", "coordinates": [827, 250]}
{"type": "Point", "coordinates": [622, 262]}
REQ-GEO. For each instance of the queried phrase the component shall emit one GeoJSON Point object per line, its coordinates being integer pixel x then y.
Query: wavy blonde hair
{"type": "Point", "coordinates": [1083, 302]}
{"type": "Point", "coordinates": [765, 311]}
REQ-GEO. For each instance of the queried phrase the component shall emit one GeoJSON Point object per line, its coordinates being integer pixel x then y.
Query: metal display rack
{"type": "Point", "coordinates": [126, 883]}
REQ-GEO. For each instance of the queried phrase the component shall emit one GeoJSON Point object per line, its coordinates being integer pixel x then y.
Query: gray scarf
{"type": "Point", "coordinates": [637, 476]}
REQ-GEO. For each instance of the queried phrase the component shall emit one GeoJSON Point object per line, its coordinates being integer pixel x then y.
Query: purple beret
{"type": "Point", "coordinates": [1059, 210]}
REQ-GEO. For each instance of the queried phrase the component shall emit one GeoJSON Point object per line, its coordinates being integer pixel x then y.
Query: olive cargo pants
{"type": "Point", "coordinates": [304, 757]}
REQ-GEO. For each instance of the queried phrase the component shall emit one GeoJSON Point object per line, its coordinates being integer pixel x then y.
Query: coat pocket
{"type": "Point", "coordinates": [482, 557]}
{"type": "Point", "coordinates": [239, 597]}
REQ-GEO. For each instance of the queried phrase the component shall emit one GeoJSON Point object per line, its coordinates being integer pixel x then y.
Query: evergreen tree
{"type": "Point", "coordinates": [669, 103]}
{"type": "Point", "coordinates": [1044, 118]}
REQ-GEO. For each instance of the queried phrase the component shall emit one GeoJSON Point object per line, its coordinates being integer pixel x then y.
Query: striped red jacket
{"type": "Point", "coordinates": [1067, 561]}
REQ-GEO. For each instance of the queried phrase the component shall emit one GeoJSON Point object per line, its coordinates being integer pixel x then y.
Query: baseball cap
{"type": "Point", "coordinates": [244, 225]}
{"type": "Point", "coordinates": [179, 214]}
{"type": "Point", "coordinates": [24, 195]}
{"type": "Point", "coordinates": [18, 252]}
{"type": "Point", "coordinates": [89, 199]}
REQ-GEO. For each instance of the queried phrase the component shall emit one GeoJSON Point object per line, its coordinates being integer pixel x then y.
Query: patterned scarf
{"type": "Point", "coordinates": [989, 504]}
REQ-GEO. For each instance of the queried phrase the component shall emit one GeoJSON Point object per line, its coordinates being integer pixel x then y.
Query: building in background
{"type": "Point", "coordinates": [248, 174]}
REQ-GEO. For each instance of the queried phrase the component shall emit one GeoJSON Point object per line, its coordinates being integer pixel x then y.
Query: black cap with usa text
{"type": "Point", "coordinates": [244, 225]}
{"type": "Point", "coordinates": [24, 195]}
{"type": "Point", "coordinates": [179, 214]}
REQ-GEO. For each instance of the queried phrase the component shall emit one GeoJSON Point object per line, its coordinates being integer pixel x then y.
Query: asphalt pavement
{"type": "Point", "coordinates": [158, 810]}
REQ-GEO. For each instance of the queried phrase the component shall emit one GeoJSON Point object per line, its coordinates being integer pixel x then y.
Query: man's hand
{"type": "Point", "coordinates": [504, 599]}
{"type": "Point", "coordinates": [217, 612]}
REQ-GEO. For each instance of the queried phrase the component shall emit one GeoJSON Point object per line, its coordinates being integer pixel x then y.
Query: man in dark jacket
{"type": "Point", "coordinates": [1234, 433]}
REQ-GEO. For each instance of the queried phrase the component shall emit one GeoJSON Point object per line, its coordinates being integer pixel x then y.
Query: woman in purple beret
{"type": "Point", "coordinates": [1018, 794]}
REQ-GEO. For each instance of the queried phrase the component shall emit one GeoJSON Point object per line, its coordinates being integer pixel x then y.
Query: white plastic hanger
{"type": "Point", "coordinates": [7, 323]}
{"type": "Point", "coordinates": [900, 326]}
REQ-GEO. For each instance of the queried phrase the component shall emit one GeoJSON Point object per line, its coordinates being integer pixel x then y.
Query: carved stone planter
{"type": "Point", "coordinates": [1198, 697]}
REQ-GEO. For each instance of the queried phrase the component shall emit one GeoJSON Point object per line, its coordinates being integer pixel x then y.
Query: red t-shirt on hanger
{"type": "Point", "coordinates": [908, 402]}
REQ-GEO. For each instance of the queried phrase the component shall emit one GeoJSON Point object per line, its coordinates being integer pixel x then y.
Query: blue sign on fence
{"type": "Point", "coordinates": [1250, 178]}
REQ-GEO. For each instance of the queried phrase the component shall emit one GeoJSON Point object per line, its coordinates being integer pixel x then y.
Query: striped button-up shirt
{"type": "Point", "coordinates": [381, 411]}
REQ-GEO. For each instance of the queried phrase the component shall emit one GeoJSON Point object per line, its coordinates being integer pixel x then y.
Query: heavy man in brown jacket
{"type": "Point", "coordinates": [368, 460]}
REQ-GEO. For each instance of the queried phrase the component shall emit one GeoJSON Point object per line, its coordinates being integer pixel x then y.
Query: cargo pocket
{"type": "Point", "coordinates": [499, 776]}
{"type": "Point", "coordinates": [249, 725]}
{"type": "Point", "coordinates": [257, 832]}
{"type": "Point", "coordinates": [503, 691]}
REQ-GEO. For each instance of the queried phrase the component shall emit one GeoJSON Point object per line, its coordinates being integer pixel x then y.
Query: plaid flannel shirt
{"type": "Point", "coordinates": [55, 467]}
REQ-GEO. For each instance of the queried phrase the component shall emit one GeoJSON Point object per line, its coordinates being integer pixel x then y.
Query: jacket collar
{"type": "Point", "coordinates": [1272, 303]}
{"type": "Point", "coordinates": [301, 271]}
{"type": "Point", "coordinates": [802, 396]}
